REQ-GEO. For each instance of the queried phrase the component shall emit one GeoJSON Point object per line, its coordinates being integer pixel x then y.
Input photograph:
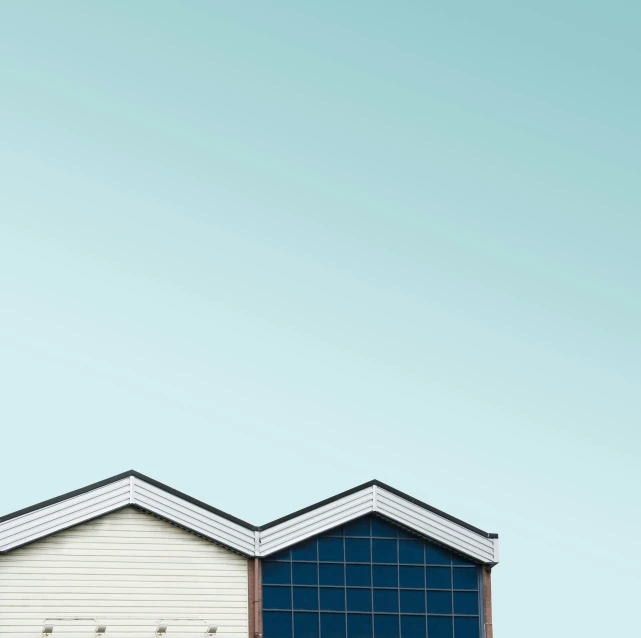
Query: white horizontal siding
{"type": "Point", "coordinates": [128, 570]}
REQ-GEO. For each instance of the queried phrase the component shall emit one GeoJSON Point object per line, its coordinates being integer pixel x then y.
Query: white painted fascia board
{"type": "Point", "coordinates": [192, 517]}
{"type": "Point", "coordinates": [53, 518]}
{"type": "Point", "coordinates": [438, 528]}
{"type": "Point", "coordinates": [171, 506]}
{"type": "Point", "coordinates": [316, 521]}
{"type": "Point", "coordinates": [376, 499]}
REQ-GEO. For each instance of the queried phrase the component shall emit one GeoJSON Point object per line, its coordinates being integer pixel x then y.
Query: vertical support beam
{"type": "Point", "coordinates": [251, 621]}
{"type": "Point", "coordinates": [255, 607]}
{"type": "Point", "coordinates": [486, 572]}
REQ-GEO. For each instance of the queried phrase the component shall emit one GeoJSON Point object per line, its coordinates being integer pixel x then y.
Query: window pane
{"type": "Point", "coordinates": [385, 626]}
{"type": "Point", "coordinates": [386, 600]}
{"type": "Point", "coordinates": [466, 627]}
{"type": "Point", "coordinates": [412, 576]}
{"type": "Point", "coordinates": [359, 527]}
{"type": "Point", "coordinates": [284, 555]}
{"type": "Point", "coordinates": [337, 531]}
{"type": "Point", "coordinates": [305, 598]}
{"type": "Point", "coordinates": [438, 577]}
{"type": "Point", "coordinates": [277, 598]}
{"type": "Point", "coordinates": [359, 600]}
{"type": "Point", "coordinates": [466, 602]}
{"type": "Point", "coordinates": [332, 599]}
{"type": "Point", "coordinates": [359, 626]}
{"type": "Point", "coordinates": [357, 550]}
{"type": "Point", "coordinates": [434, 555]}
{"type": "Point", "coordinates": [384, 576]}
{"type": "Point", "coordinates": [304, 551]}
{"type": "Point", "coordinates": [412, 626]}
{"type": "Point", "coordinates": [304, 574]}
{"type": "Point", "coordinates": [276, 573]}
{"type": "Point", "coordinates": [383, 551]}
{"type": "Point", "coordinates": [410, 552]}
{"type": "Point", "coordinates": [330, 549]}
{"type": "Point", "coordinates": [277, 624]}
{"type": "Point", "coordinates": [459, 560]}
{"type": "Point", "coordinates": [383, 529]}
{"type": "Point", "coordinates": [358, 575]}
{"type": "Point", "coordinates": [412, 601]}
{"type": "Point", "coordinates": [439, 627]}
{"type": "Point", "coordinates": [305, 625]}
{"type": "Point", "coordinates": [439, 602]}
{"type": "Point", "coordinates": [329, 574]}
{"type": "Point", "coordinates": [332, 625]}
{"type": "Point", "coordinates": [404, 534]}
{"type": "Point", "coordinates": [465, 578]}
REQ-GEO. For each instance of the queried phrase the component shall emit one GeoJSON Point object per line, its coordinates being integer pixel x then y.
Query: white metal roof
{"type": "Point", "coordinates": [134, 489]}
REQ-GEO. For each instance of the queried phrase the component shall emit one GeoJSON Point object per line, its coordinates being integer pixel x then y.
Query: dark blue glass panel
{"type": "Point", "coordinates": [359, 600]}
{"type": "Point", "coordinates": [465, 578]}
{"type": "Point", "coordinates": [438, 577]}
{"type": "Point", "coordinates": [357, 550]}
{"type": "Point", "coordinates": [383, 551]}
{"type": "Point", "coordinates": [466, 602]}
{"type": "Point", "coordinates": [284, 555]}
{"type": "Point", "coordinates": [412, 576]}
{"type": "Point", "coordinates": [305, 625]}
{"type": "Point", "coordinates": [412, 626]}
{"type": "Point", "coordinates": [359, 527]}
{"type": "Point", "coordinates": [410, 552]}
{"type": "Point", "coordinates": [277, 598]}
{"type": "Point", "coordinates": [386, 600]}
{"type": "Point", "coordinates": [332, 625]}
{"type": "Point", "coordinates": [329, 574]}
{"type": "Point", "coordinates": [305, 598]}
{"type": "Point", "coordinates": [304, 574]}
{"type": "Point", "coordinates": [385, 626]}
{"type": "Point", "coordinates": [434, 555]}
{"type": "Point", "coordinates": [358, 575]}
{"type": "Point", "coordinates": [359, 626]}
{"type": "Point", "coordinates": [403, 534]}
{"type": "Point", "coordinates": [439, 627]}
{"type": "Point", "coordinates": [412, 601]}
{"type": "Point", "coordinates": [384, 576]}
{"type": "Point", "coordinates": [439, 602]}
{"type": "Point", "coordinates": [332, 599]}
{"type": "Point", "coordinates": [277, 624]}
{"type": "Point", "coordinates": [466, 627]}
{"type": "Point", "coordinates": [276, 573]}
{"type": "Point", "coordinates": [304, 551]}
{"type": "Point", "coordinates": [330, 549]}
{"type": "Point", "coordinates": [383, 529]}
{"type": "Point", "coordinates": [459, 560]}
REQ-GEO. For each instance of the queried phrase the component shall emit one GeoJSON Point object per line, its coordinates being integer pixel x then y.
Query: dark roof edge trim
{"type": "Point", "coordinates": [238, 521]}
{"type": "Point", "coordinates": [118, 477]}
{"type": "Point", "coordinates": [398, 493]}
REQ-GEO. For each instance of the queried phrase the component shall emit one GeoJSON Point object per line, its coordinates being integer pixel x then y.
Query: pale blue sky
{"type": "Point", "coordinates": [265, 252]}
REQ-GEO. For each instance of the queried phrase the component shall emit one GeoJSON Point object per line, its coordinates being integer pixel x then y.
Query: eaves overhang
{"type": "Point", "coordinates": [137, 490]}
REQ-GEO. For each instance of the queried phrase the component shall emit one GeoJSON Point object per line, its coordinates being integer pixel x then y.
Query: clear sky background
{"type": "Point", "coordinates": [264, 252]}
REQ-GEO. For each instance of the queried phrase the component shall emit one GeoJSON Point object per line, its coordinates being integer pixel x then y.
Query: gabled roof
{"type": "Point", "coordinates": [134, 489]}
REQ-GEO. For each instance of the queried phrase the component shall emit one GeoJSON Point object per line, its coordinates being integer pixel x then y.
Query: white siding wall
{"type": "Point", "coordinates": [127, 570]}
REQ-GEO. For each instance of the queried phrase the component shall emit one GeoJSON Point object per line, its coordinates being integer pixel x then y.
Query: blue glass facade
{"type": "Point", "coordinates": [370, 579]}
